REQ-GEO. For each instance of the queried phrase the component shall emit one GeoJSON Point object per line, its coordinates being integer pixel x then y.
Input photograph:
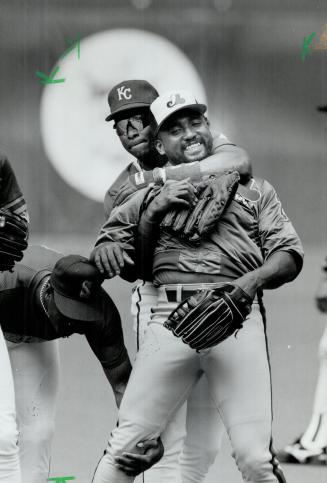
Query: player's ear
{"type": "Point", "coordinates": [159, 146]}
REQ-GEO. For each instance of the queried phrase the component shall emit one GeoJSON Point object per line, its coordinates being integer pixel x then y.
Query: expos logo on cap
{"type": "Point", "coordinates": [170, 102]}
{"type": "Point", "coordinates": [130, 94]}
{"type": "Point", "coordinates": [175, 99]}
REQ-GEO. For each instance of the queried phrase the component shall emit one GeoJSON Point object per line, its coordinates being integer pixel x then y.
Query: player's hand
{"type": "Point", "coordinates": [321, 295]}
{"type": "Point", "coordinates": [173, 194]}
{"type": "Point", "coordinates": [110, 258]}
{"type": "Point", "coordinates": [132, 464]}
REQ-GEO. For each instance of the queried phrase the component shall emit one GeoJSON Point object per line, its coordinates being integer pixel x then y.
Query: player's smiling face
{"type": "Point", "coordinates": [185, 137]}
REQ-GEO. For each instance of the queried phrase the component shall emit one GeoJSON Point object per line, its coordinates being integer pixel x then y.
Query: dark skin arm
{"type": "Point", "coordinates": [110, 258]}
{"type": "Point", "coordinates": [280, 268]}
{"type": "Point", "coordinates": [173, 194]}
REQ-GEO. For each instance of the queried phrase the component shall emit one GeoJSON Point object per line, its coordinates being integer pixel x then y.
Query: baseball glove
{"type": "Point", "coordinates": [13, 239]}
{"type": "Point", "coordinates": [214, 194]}
{"type": "Point", "coordinates": [208, 317]}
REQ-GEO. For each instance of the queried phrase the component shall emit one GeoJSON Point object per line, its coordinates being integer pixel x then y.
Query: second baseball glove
{"type": "Point", "coordinates": [214, 194]}
{"type": "Point", "coordinates": [208, 317]}
{"type": "Point", "coordinates": [13, 239]}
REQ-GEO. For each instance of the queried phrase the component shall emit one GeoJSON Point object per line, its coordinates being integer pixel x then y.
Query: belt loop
{"type": "Point", "coordinates": [179, 293]}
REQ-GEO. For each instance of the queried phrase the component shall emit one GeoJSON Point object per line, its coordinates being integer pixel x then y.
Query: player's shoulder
{"type": "Point", "coordinates": [3, 157]}
{"type": "Point", "coordinates": [261, 184]}
{"type": "Point", "coordinates": [219, 139]}
{"type": "Point", "coordinates": [116, 187]}
{"type": "Point", "coordinates": [40, 257]}
{"type": "Point", "coordinates": [122, 178]}
{"type": "Point", "coordinates": [5, 163]}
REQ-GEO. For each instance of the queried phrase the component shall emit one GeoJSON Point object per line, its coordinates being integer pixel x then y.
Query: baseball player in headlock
{"type": "Point", "coordinates": [45, 297]}
{"type": "Point", "coordinates": [252, 246]}
{"type": "Point", "coordinates": [13, 241]}
{"type": "Point", "coordinates": [129, 103]}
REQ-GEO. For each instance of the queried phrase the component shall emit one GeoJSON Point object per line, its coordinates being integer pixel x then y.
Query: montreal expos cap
{"type": "Point", "coordinates": [130, 95]}
{"type": "Point", "coordinates": [169, 103]}
{"type": "Point", "coordinates": [67, 278]}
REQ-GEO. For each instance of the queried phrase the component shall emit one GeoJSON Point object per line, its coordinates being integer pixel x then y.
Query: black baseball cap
{"type": "Point", "coordinates": [130, 94]}
{"type": "Point", "coordinates": [67, 278]}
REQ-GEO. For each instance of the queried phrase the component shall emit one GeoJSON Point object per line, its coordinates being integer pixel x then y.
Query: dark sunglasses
{"type": "Point", "coordinates": [137, 122]}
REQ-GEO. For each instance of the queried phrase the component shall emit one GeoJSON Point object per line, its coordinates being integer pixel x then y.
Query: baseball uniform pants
{"type": "Point", "coordinates": [192, 439]}
{"type": "Point", "coordinates": [164, 375]}
{"type": "Point", "coordinates": [9, 459]}
{"type": "Point", "coordinates": [36, 378]}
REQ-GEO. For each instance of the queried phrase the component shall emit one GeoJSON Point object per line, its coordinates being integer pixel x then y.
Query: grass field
{"type": "Point", "coordinates": [86, 410]}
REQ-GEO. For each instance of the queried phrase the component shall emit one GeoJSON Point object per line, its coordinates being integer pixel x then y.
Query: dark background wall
{"type": "Point", "coordinates": [248, 54]}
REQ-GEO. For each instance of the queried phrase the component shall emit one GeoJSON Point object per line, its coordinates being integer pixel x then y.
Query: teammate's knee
{"type": "Point", "coordinates": [8, 440]}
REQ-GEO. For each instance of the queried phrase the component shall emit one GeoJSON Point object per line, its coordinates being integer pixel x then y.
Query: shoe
{"type": "Point", "coordinates": [295, 453]}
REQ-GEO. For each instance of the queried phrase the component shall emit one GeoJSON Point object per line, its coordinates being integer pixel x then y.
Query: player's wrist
{"type": "Point", "coordinates": [183, 171]}
{"type": "Point", "coordinates": [155, 211]}
{"type": "Point", "coordinates": [250, 283]}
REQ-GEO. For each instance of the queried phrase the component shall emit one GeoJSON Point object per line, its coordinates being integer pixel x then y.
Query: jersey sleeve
{"type": "Point", "coordinates": [11, 196]}
{"type": "Point", "coordinates": [219, 140]}
{"type": "Point", "coordinates": [120, 189]}
{"type": "Point", "coordinates": [121, 225]}
{"type": "Point", "coordinates": [275, 229]}
{"type": "Point", "coordinates": [121, 228]}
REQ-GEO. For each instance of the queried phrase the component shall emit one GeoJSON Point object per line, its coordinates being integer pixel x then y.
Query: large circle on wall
{"type": "Point", "coordinates": [82, 147]}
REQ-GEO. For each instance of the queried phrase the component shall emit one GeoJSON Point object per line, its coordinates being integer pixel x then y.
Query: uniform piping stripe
{"type": "Point", "coordinates": [138, 331]}
{"type": "Point", "coordinates": [138, 316]}
{"type": "Point", "coordinates": [318, 427]}
{"type": "Point", "coordinates": [277, 471]}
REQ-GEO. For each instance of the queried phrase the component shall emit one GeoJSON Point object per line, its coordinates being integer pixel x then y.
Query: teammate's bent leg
{"type": "Point", "coordinates": [9, 459]}
{"type": "Point", "coordinates": [162, 377]}
{"type": "Point", "coordinates": [204, 431]}
{"type": "Point", "coordinates": [239, 378]}
{"type": "Point", "coordinates": [36, 377]}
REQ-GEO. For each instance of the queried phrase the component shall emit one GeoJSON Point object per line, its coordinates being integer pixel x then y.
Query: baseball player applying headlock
{"type": "Point", "coordinates": [251, 246]}
{"type": "Point", "coordinates": [45, 297]}
{"type": "Point", "coordinates": [13, 241]}
{"type": "Point", "coordinates": [129, 103]}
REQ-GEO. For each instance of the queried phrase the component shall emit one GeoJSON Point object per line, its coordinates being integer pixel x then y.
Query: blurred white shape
{"type": "Point", "coordinates": [82, 147]}
{"type": "Point", "coordinates": [223, 5]}
{"type": "Point", "coordinates": [141, 4]}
